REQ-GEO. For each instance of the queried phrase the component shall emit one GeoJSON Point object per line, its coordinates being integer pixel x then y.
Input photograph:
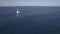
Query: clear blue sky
{"type": "Point", "coordinates": [29, 2]}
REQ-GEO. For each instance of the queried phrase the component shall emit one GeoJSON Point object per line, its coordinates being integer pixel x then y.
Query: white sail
{"type": "Point", "coordinates": [17, 11]}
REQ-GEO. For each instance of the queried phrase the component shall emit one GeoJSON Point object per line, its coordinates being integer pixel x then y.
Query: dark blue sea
{"type": "Point", "coordinates": [31, 20]}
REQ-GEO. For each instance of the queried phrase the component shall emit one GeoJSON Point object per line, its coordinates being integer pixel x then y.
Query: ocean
{"type": "Point", "coordinates": [31, 20]}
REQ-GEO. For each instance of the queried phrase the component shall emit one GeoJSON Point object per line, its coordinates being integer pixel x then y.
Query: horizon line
{"type": "Point", "coordinates": [1, 6]}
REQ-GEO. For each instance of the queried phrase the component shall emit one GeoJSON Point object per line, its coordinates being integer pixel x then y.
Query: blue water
{"type": "Point", "coordinates": [32, 20]}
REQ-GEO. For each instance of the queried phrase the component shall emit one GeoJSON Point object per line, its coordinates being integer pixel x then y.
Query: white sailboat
{"type": "Point", "coordinates": [17, 11]}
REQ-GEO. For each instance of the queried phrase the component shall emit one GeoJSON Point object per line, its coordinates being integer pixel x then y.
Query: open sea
{"type": "Point", "coordinates": [31, 20]}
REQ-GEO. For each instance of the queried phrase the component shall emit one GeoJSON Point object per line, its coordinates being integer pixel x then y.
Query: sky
{"type": "Point", "coordinates": [29, 2]}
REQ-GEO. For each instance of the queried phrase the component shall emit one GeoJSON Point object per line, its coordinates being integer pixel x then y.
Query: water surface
{"type": "Point", "coordinates": [32, 20]}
